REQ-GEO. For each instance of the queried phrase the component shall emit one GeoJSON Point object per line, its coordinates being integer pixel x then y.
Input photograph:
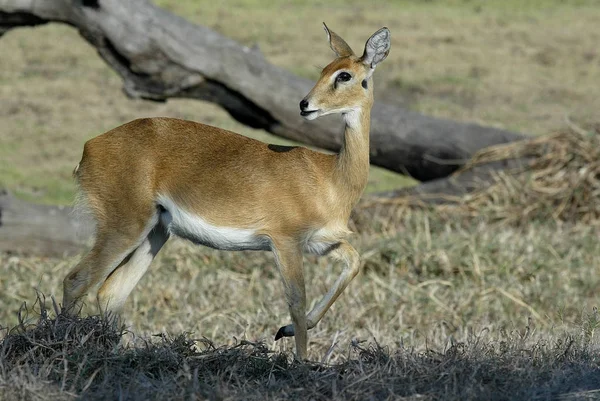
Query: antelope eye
{"type": "Point", "coordinates": [343, 77]}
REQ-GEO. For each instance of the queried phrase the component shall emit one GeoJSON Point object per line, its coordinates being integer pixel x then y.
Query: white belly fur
{"type": "Point", "coordinates": [194, 228]}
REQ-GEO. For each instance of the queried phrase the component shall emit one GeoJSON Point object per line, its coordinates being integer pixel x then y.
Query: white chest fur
{"type": "Point", "coordinates": [196, 229]}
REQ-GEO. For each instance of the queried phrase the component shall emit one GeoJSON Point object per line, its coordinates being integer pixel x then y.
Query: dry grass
{"type": "Point", "coordinates": [434, 279]}
{"type": "Point", "coordinates": [64, 358]}
{"type": "Point", "coordinates": [561, 182]}
{"type": "Point", "coordinates": [553, 177]}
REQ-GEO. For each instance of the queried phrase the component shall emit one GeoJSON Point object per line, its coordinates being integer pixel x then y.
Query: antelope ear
{"type": "Point", "coordinates": [377, 48]}
{"type": "Point", "coordinates": [338, 45]}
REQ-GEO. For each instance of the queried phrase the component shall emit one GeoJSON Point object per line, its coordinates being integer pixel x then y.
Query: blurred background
{"type": "Point", "coordinates": [519, 65]}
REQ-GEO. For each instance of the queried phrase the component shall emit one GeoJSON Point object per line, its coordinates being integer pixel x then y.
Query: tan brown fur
{"type": "Point", "coordinates": [296, 200]}
{"type": "Point", "coordinates": [203, 168]}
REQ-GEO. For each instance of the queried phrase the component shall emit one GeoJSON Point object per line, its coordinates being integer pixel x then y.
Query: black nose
{"type": "Point", "coordinates": [303, 104]}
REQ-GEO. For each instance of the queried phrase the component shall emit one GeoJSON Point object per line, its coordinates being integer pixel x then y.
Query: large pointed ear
{"type": "Point", "coordinates": [338, 45]}
{"type": "Point", "coordinates": [377, 48]}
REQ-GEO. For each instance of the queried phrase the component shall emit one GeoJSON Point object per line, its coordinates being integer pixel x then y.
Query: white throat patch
{"type": "Point", "coordinates": [352, 118]}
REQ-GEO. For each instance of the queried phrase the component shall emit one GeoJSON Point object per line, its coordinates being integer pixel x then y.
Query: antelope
{"type": "Point", "coordinates": [153, 178]}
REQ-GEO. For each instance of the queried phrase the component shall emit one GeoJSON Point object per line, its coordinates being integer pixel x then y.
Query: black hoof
{"type": "Point", "coordinates": [285, 331]}
{"type": "Point", "coordinates": [279, 334]}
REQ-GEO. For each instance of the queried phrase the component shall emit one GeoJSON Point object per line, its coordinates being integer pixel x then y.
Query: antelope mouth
{"type": "Point", "coordinates": [309, 114]}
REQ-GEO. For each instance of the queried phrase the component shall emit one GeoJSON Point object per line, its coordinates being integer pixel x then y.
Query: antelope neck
{"type": "Point", "coordinates": [352, 167]}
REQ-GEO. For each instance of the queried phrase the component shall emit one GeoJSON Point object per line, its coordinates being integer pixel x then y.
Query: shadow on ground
{"type": "Point", "coordinates": [63, 357]}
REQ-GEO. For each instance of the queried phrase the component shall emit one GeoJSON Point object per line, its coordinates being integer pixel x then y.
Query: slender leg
{"type": "Point", "coordinates": [117, 287]}
{"type": "Point", "coordinates": [347, 254]}
{"type": "Point", "coordinates": [93, 269]}
{"type": "Point", "coordinates": [115, 242]}
{"type": "Point", "coordinates": [289, 261]}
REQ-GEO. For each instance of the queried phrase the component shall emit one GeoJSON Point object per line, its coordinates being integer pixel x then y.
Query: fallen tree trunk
{"type": "Point", "coordinates": [40, 229]}
{"type": "Point", "coordinates": [160, 55]}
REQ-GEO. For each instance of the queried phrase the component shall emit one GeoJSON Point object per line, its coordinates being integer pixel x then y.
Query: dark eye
{"type": "Point", "coordinates": [343, 77]}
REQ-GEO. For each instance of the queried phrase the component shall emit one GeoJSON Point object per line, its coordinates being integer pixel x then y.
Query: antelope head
{"type": "Point", "coordinates": [345, 84]}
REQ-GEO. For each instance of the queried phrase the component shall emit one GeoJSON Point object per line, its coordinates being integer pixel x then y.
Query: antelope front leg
{"type": "Point", "coordinates": [289, 261]}
{"type": "Point", "coordinates": [346, 253]}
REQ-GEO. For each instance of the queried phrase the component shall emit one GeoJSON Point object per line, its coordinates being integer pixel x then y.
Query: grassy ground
{"type": "Point", "coordinates": [86, 358]}
{"type": "Point", "coordinates": [433, 280]}
{"type": "Point", "coordinates": [463, 308]}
